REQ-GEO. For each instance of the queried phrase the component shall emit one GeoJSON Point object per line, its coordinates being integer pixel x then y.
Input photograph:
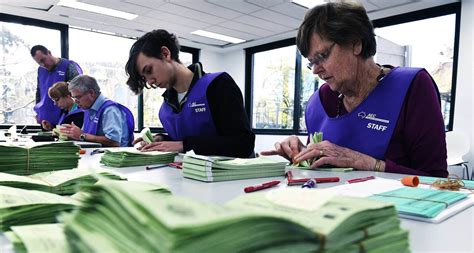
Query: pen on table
{"type": "Point", "coordinates": [362, 179]}
{"type": "Point", "coordinates": [97, 151]}
{"type": "Point", "coordinates": [319, 180]}
{"type": "Point", "coordinates": [261, 187]}
{"type": "Point", "coordinates": [156, 167]}
{"type": "Point", "coordinates": [289, 175]}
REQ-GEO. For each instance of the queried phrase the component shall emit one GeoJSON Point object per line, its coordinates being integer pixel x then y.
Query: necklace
{"type": "Point", "coordinates": [340, 98]}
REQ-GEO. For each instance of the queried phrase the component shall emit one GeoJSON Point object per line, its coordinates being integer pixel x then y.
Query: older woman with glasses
{"type": "Point", "coordinates": [373, 117]}
{"type": "Point", "coordinates": [70, 112]}
{"type": "Point", "coordinates": [201, 111]}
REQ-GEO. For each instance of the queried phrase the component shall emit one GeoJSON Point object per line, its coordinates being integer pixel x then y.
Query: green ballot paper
{"type": "Point", "coordinates": [38, 238]}
{"type": "Point", "coordinates": [63, 182]}
{"type": "Point", "coordinates": [26, 207]}
{"type": "Point", "coordinates": [114, 219]}
{"type": "Point", "coordinates": [130, 156]}
{"type": "Point", "coordinates": [146, 135]}
{"type": "Point", "coordinates": [340, 224]}
{"type": "Point", "coordinates": [38, 157]}
{"type": "Point", "coordinates": [217, 168]}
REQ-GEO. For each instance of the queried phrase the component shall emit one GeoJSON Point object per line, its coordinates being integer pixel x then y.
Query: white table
{"type": "Point", "coordinates": [455, 234]}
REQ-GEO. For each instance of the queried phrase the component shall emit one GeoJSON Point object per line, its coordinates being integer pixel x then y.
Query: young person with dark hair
{"type": "Point", "coordinates": [202, 111]}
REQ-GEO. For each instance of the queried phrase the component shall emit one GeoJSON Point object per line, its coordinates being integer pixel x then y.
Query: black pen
{"type": "Point", "coordinates": [156, 167]}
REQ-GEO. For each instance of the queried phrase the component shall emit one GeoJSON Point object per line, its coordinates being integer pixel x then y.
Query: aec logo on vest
{"type": "Point", "coordinates": [197, 107]}
{"type": "Point", "coordinates": [373, 116]}
{"type": "Point", "coordinates": [60, 73]}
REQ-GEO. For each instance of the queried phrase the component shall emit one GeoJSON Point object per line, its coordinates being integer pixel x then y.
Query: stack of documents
{"type": "Point", "coordinates": [26, 207]}
{"type": "Point", "coordinates": [115, 219]}
{"type": "Point", "coordinates": [127, 157]}
{"type": "Point", "coordinates": [426, 203]}
{"type": "Point", "coordinates": [38, 157]}
{"type": "Point", "coordinates": [63, 182]}
{"type": "Point", "coordinates": [217, 168]}
{"type": "Point", "coordinates": [38, 238]}
{"type": "Point", "coordinates": [340, 224]}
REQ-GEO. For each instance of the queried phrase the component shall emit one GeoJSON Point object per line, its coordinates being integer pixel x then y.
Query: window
{"type": "Point", "coordinates": [18, 70]}
{"type": "Point", "coordinates": [152, 98]}
{"type": "Point", "coordinates": [278, 84]}
{"type": "Point", "coordinates": [424, 39]}
{"type": "Point", "coordinates": [280, 88]}
{"type": "Point", "coordinates": [103, 57]}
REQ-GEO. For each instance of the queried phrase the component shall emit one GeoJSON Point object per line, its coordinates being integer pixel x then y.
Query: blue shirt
{"type": "Point", "coordinates": [113, 124]}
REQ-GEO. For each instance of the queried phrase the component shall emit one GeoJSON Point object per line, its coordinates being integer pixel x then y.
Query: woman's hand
{"type": "Point", "coordinates": [46, 125]}
{"type": "Point", "coordinates": [288, 148]}
{"type": "Point", "coordinates": [327, 153]}
{"type": "Point", "coordinates": [156, 138]}
{"type": "Point", "coordinates": [165, 146]}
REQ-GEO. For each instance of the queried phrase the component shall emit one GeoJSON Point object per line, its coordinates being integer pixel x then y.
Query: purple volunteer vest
{"type": "Point", "coordinates": [64, 116]}
{"type": "Point", "coordinates": [91, 126]}
{"type": "Point", "coordinates": [369, 127]}
{"type": "Point", "coordinates": [45, 109]}
{"type": "Point", "coordinates": [195, 118]}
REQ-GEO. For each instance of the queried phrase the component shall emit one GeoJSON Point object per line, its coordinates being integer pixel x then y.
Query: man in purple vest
{"type": "Point", "coordinates": [201, 112]}
{"type": "Point", "coordinates": [373, 117]}
{"type": "Point", "coordinates": [51, 70]}
{"type": "Point", "coordinates": [105, 121]}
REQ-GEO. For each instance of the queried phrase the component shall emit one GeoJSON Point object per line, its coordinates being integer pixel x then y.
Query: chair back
{"type": "Point", "coordinates": [457, 145]}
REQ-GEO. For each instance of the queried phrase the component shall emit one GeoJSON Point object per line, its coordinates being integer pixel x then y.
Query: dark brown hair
{"type": "Point", "coordinates": [150, 45]}
{"type": "Point", "coordinates": [342, 23]}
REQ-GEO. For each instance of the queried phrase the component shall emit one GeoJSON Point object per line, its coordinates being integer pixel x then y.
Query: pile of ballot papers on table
{"type": "Point", "coordinates": [38, 157]}
{"type": "Point", "coordinates": [218, 168]}
{"type": "Point", "coordinates": [115, 219]}
{"type": "Point", "coordinates": [62, 182]}
{"type": "Point", "coordinates": [127, 157]}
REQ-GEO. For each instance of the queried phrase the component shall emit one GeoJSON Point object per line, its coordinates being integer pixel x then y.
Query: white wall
{"type": "Point", "coordinates": [234, 63]}
{"type": "Point", "coordinates": [464, 107]}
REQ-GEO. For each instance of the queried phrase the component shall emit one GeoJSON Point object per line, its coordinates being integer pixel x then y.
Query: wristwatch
{"type": "Point", "coordinates": [82, 137]}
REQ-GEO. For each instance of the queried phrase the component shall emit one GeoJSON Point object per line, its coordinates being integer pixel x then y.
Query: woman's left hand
{"type": "Point", "coordinates": [328, 153]}
{"type": "Point", "coordinates": [166, 146]}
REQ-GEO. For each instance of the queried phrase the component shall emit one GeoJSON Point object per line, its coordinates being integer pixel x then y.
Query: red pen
{"type": "Point", "coordinates": [177, 165]}
{"type": "Point", "coordinates": [358, 180]}
{"type": "Point", "coordinates": [289, 175]}
{"type": "Point", "coordinates": [260, 187]}
{"type": "Point", "coordinates": [300, 181]}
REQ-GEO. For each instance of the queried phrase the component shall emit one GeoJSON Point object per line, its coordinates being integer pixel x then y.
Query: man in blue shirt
{"type": "Point", "coordinates": [105, 121]}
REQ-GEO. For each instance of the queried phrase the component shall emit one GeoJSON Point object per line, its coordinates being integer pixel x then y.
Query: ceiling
{"type": "Point", "coordinates": [256, 21]}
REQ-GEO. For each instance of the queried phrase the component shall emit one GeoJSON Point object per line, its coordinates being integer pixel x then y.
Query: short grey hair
{"type": "Point", "coordinates": [84, 83]}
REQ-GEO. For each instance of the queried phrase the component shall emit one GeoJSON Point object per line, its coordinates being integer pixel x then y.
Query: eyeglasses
{"type": "Point", "coordinates": [321, 57]}
{"type": "Point", "coordinates": [77, 98]}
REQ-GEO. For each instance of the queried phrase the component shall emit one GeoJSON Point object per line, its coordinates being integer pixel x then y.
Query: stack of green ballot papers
{"type": "Point", "coordinates": [116, 219]}
{"type": "Point", "coordinates": [340, 224]}
{"type": "Point", "coordinates": [26, 207]}
{"type": "Point", "coordinates": [127, 157]}
{"type": "Point", "coordinates": [38, 238]}
{"type": "Point", "coordinates": [38, 157]}
{"type": "Point", "coordinates": [63, 182]}
{"type": "Point", "coordinates": [420, 202]}
{"type": "Point", "coordinates": [216, 168]}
